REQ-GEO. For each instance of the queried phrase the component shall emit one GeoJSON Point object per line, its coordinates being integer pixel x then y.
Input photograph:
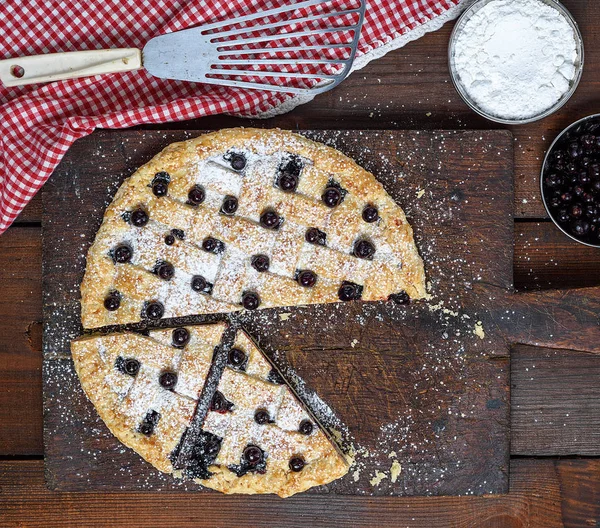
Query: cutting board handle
{"type": "Point", "coordinates": [58, 66]}
{"type": "Point", "coordinates": [553, 318]}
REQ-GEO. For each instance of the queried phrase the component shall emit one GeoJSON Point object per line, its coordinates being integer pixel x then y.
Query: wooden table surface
{"type": "Point", "coordinates": [555, 399]}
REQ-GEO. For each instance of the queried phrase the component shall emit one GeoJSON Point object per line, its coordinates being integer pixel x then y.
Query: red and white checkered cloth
{"type": "Point", "coordinates": [38, 123]}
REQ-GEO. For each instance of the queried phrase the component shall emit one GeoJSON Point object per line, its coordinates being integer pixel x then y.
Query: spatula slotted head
{"type": "Point", "coordinates": [301, 48]}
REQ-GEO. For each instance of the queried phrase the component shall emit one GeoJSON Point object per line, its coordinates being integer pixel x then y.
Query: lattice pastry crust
{"type": "Point", "coordinates": [256, 437]}
{"type": "Point", "coordinates": [247, 218]}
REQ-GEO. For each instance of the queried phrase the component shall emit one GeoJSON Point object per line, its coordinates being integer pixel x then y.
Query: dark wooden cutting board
{"type": "Point", "coordinates": [426, 384]}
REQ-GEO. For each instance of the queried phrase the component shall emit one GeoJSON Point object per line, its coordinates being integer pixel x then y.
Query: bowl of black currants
{"type": "Point", "coordinates": [570, 181]}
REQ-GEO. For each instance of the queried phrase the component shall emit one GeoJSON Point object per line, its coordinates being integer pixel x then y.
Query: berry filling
{"type": "Point", "coordinates": [350, 291]}
{"type": "Point", "coordinates": [220, 404]}
{"type": "Point", "coordinates": [168, 380]}
{"type": "Point", "coordinates": [253, 459]}
{"type": "Point", "coordinates": [201, 285]}
{"type": "Point", "coordinates": [205, 451]}
{"type": "Point", "coordinates": [297, 463]}
{"type": "Point", "coordinates": [196, 195]}
{"type": "Point", "coordinates": [160, 184]}
{"type": "Point", "coordinates": [230, 205]}
{"type": "Point", "coordinates": [212, 245]}
{"type": "Point", "coordinates": [237, 358]}
{"type": "Point", "coordinates": [270, 220]}
{"type": "Point", "coordinates": [333, 195]}
{"type": "Point", "coordinates": [261, 417]}
{"type": "Point", "coordinates": [306, 427]}
{"type": "Point", "coordinates": [289, 174]}
{"type": "Point", "coordinates": [112, 301]}
{"type": "Point", "coordinates": [127, 366]}
{"type": "Point", "coordinates": [178, 233]}
{"type": "Point", "coordinates": [250, 300]}
{"type": "Point", "coordinates": [237, 161]}
{"type": "Point", "coordinates": [260, 263]}
{"type": "Point", "coordinates": [139, 218]}
{"type": "Point", "coordinates": [364, 249]}
{"type": "Point", "coordinates": [399, 298]}
{"type": "Point", "coordinates": [370, 214]}
{"type": "Point", "coordinates": [164, 270]}
{"type": "Point", "coordinates": [315, 236]}
{"type": "Point", "coordinates": [154, 310]}
{"type": "Point", "coordinates": [149, 423]}
{"type": "Point", "coordinates": [181, 337]}
{"type": "Point", "coordinates": [306, 278]}
{"type": "Point", "coordinates": [122, 253]}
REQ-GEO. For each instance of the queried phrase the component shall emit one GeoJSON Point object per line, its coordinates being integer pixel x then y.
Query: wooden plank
{"type": "Point", "coordinates": [20, 336]}
{"type": "Point", "coordinates": [546, 258]}
{"type": "Point", "coordinates": [580, 488]}
{"type": "Point", "coordinates": [567, 319]}
{"type": "Point", "coordinates": [394, 393]}
{"type": "Point", "coordinates": [81, 454]}
{"type": "Point", "coordinates": [555, 402]}
{"type": "Point", "coordinates": [406, 110]}
{"type": "Point", "coordinates": [543, 494]}
{"type": "Point", "coordinates": [20, 429]}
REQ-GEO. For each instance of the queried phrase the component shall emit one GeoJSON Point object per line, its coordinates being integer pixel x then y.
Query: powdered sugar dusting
{"type": "Point", "coordinates": [515, 58]}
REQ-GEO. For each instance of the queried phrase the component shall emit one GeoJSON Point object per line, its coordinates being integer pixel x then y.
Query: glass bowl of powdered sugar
{"type": "Point", "coordinates": [516, 61]}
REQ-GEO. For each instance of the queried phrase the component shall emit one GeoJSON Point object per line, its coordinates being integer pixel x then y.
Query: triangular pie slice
{"type": "Point", "coordinates": [256, 436]}
{"type": "Point", "coordinates": [246, 219]}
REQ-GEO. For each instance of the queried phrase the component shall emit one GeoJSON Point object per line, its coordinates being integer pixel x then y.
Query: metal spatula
{"type": "Point", "coordinates": [303, 47]}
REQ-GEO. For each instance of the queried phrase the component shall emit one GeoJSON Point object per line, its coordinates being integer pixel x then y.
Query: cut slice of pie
{"type": "Point", "coordinates": [247, 219]}
{"type": "Point", "coordinates": [255, 436]}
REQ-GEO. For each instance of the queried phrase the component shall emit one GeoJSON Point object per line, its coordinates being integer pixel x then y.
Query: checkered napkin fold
{"type": "Point", "coordinates": [38, 123]}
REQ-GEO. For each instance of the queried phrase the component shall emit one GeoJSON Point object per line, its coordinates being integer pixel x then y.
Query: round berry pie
{"type": "Point", "coordinates": [244, 219]}
{"type": "Point", "coordinates": [240, 219]}
{"type": "Point", "coordinates": [253, 434]}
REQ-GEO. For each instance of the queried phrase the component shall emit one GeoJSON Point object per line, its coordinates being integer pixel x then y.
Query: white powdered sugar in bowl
{"type": "Point", "coordinates": [516, 60]}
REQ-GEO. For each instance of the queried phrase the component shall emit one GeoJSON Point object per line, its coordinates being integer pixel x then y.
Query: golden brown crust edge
{"type": "Point", "coordinates": [283, 483]}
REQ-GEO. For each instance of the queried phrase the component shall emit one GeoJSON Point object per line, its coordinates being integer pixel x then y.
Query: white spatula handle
{"type": "Point", "coordinates": [58, 66]}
